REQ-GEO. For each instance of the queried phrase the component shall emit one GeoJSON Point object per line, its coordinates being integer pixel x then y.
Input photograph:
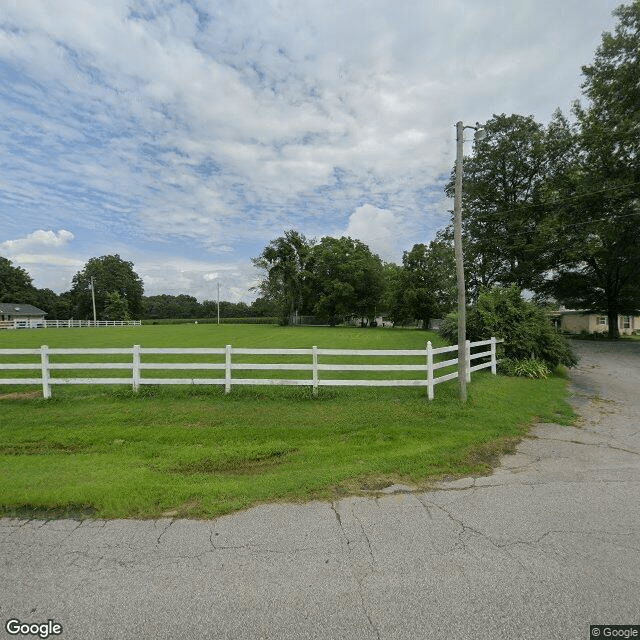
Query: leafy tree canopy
{"type": "Point", "coordinates": [426, 287]}
{"type": "Point", "coordinates": [598, 193]}
{"type": "Point", "coordinates": [284, 264]}
{"type": "Point", "coordinates": [346, 279]}
{"type": "Point", "coordinates": [505, 229]}
{"type": "Point", "coordinates": [111, 274]}
{"type": "Point", "coordinates": [15, 283]}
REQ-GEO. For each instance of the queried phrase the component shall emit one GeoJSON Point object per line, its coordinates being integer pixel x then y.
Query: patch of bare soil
{"type": "Point", "coordinates": [21, 395]}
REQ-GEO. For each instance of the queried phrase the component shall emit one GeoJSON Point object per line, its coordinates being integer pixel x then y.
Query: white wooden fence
{"type": "Point", "coordinates": [58, 324]}
{"type": "Point", "coordinates": [42, 362]}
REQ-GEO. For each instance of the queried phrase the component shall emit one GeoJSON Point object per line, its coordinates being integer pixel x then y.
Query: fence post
{"type": "Point", "coordinates": [227, 370]}
{"type": "Point", "coordinates": [315, 371]}
{"type": "Point", "coordinates": [136, 367]}
{"type": "Point", "coordinates": [493, 356]}
{"type": "Point", "coordinates": [44, 359]}
{"type": "Point", "coordinates": [430, 370]}
{"type": "Point", "coordinates": [468, 348]}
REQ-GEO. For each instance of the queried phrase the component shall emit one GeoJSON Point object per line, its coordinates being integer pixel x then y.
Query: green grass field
{"type": "Point", "coordinates": [195, 452]}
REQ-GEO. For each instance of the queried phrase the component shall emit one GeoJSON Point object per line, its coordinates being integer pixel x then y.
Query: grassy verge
{"type": "Point", "coordinates": [195, 452]}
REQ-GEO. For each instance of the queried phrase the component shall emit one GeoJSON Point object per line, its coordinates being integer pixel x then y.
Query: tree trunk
{"type": "Point", "coordinates": [612, 315]}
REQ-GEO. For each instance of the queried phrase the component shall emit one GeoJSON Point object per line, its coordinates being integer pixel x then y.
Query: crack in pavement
{"type": "Point", "coordinates": [504, 547]}
{"type": "Point", "coordinates": [591, 444]}
{"type": "Point", "coordinates": [366, 537]}
{"type": "Point", "coordinates": [164, 531]}
{"type": "Point", "coordinates": [357, 571]}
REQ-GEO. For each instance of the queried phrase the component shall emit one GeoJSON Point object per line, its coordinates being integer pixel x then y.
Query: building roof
{"type": "Point", "coordinates": [19, 309]}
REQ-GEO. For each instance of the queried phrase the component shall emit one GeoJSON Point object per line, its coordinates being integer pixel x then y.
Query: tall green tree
{"type": "Point", "coordinates": [390, 303]}
{"type": "Point", "coordinates": [111, 274]}
{"type": "Point", "coordinates": [15, 283]}
{"type": "Point", "coordinates": [261, 307]}
{"type": "Point", "coordinates": [346, 280]}
{"type": "Point", "coordinates": [56, 306]}
{"type": "Point", "coordinates": [116, 307]}
{"type": "Point", "coordinates": [598, 196]}
{"type": "Point", "coordinates": [285, 275]}
{"type": "Point", "coordinates": [505, 218]}
{"type": "Point", "coordinates": [427, 286]}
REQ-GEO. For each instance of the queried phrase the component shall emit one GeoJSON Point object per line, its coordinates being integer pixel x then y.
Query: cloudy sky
{"type": "Point", "coordinates": [184, 135]}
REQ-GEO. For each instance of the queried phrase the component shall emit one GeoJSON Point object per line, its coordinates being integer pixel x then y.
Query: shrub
{"type": "Point", "coordinates": [529, 368]}
{"type": "Point", "coordinates": [527, 332]}
{"type": "Point", "coordinates": [594, 335]}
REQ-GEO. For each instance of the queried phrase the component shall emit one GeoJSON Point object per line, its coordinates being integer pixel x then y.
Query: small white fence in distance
{"type": "Point", "coordinates": [228, 361]}
{"type": "Point", "coordinates": [64, 324]}
{"type": "Point", "coordinates": [37, 323]}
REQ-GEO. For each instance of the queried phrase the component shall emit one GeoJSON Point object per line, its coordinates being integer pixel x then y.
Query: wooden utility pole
{"type": "Point", "coordinates": [457, 241]}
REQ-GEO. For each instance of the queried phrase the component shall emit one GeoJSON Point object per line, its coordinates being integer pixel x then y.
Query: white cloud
{"type": "Point", "coordinates": [39, 238]}
{"type": "Point", "coordinates": [199, 278]}
{"type": "Point", "coordinates": [380, 229]}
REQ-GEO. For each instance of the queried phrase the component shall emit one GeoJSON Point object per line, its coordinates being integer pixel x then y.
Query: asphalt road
{"type": "Point", "coordinates": [541, 549]}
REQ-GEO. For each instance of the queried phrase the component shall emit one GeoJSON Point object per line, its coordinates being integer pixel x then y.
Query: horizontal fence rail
{"type": "Point", "coordinates": [65, 324]}
{"type": "Point", "coordinates": [142, 364]}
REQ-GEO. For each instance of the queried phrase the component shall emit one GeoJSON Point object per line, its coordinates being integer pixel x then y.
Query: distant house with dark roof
{"type": "Point", "coordinates": [14, 315]}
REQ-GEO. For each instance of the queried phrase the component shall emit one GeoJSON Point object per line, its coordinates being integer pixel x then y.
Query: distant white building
{"type": "Point", "coordinates": [14, 315]}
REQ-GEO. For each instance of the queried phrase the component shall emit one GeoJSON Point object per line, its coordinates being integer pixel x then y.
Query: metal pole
{"type": "Point", "coordinates": [93, 300]}
{"type": "Point", "coordinates": [457, 241]}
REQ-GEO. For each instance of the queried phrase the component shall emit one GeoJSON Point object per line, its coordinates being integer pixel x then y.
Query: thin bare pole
{"type": "Point", "coordinates": [457, 241]}
{"type": "Point", "coordinates": [93, 300]}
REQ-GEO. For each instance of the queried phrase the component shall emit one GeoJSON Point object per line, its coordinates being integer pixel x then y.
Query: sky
{"type": "Point", "coordinates": [185, 135]}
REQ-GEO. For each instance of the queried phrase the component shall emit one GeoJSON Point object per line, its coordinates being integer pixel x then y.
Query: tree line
{"type": "Point", "coordinates": [551, 209]}
{"type": "Point", "coordinates": [119, 295]}
{"type": "Point", "coordinates": [338, 279]}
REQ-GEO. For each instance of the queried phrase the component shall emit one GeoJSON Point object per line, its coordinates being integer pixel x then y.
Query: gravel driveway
{"type": "Point", "coordinates": [543, 548]}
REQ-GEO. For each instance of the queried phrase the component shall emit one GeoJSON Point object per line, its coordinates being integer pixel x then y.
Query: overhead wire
{"type": "Point", "coordinates": [496, 215]}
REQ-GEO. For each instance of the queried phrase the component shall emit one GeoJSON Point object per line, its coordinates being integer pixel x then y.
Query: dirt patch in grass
{"type": "Point", "coordinates": [480, 459]}
{"type": "Point", "coordinates": [37, 448]}
{"type": "Point", "coordinates": [21, 395]}
{"type": "Point", "coordinates": [184, 510]}
{"type": "Point", "coordinates": [30, 512]}
{"type": "Point", "coordinates": [487, 455]}
{"type": "Point", "coordinates": [240, 465]}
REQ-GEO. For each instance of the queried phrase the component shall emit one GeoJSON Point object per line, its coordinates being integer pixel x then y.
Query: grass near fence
{"type": "Point", "coordinates": [194, 452]}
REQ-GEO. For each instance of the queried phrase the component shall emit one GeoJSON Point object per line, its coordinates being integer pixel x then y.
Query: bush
{"type": "Point", "coordinates": [595, 335]}
{"type": "Point", "coordinates": [474, 329]}
{"type": "Point", "coordinates": [525, 328]}
{"type": "Point", "coordinates": [530, 368]}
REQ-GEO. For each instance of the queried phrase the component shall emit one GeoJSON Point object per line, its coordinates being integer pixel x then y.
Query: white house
{"type": "Point", "coordinates": [574, 321]}
{"type": "Point", "coordinates": [14, 315]}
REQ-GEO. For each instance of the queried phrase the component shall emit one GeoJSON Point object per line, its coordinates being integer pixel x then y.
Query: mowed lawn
{"type": "Point", "coordinates": [192, 451]}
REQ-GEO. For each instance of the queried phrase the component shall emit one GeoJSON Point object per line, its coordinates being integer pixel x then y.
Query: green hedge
{"type": "Point", "coordinates": [211, 321]}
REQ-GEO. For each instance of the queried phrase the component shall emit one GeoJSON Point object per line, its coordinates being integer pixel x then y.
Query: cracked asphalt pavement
{"type": "Point", "coordinates": [542, 548]}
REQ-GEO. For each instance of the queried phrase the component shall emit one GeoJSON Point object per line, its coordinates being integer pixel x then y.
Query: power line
{"type": "Point", "coordinates": [524, 206]}
{"type": "Point", "coordinates": [562, 227]}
